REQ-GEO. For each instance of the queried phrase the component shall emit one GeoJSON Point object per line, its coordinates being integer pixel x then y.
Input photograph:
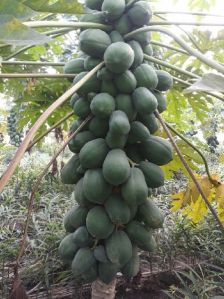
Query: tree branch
{"type": "Point", "coordinates": [35, 75]}
{"type": "Point", "coordinates": [185, 23]}
{"type": "Point", "coordinates": [168, 47]}
{"type": "Point", "coordinates": [196, 149]}
{"type": "Point", "coordinates": [49, 130]}
{"type": "Point", "coordinates": [37, 185]}
{"type": "Point", "coordinates": [212, 210]}
{"type": "Point", "coordinates": [38, 63]}
{"type": "Point", "coordinates": [170, 66]}
{"type": "Point", "coordinates": [22, 149]}
{"type": "Point", "coordinates": [163, 12]}
{"type": "Point", "coordinates": [74, 25]}
{"type": "Point", "coordinates": [212, 63]}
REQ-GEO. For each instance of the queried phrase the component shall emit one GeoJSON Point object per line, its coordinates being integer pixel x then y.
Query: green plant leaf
{"type": "Point", "coordinates": [13, 32]}
{"type": "Point", "coordinates": [60, 6]}
{"type": "Point", "coordinates": [209, 82]}
{"type": "Point", "coordinates": [18, 10]}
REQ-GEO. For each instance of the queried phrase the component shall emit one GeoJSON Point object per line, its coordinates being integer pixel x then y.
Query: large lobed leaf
{"type": "Point", "coordinates": [13, 32]}
{"type": "Point", "coordinates": [209, 82]}
{"type": "Point", "coordinates": [60, 6]}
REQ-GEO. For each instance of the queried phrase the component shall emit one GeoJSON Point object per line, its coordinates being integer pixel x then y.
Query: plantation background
{"type": "Point", "coordinates": [191, 242]}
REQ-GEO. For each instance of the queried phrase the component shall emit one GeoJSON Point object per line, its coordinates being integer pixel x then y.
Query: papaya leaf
{"type": "Point", "coordinates": [59, 6]}
{"type": "Point", "coordinates": [209, 82]}
{"type": "Point", "coordinates": [13, 32]}
{"type": "Point", "coordinates": [16, 9]}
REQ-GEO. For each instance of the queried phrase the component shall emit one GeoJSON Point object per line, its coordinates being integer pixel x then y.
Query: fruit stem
{"type": "Point", "coordinates": [210, 62]}
{"type": "Point", "coordinates": [133, 164]}
{"type": "Point", "coordinates": [197, 184]}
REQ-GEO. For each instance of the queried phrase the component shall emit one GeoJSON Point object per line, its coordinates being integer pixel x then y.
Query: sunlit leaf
{"type": "Point", "coordinates": [209, 82]}
{"type": "Point", "coordinates": [16, 9]}
{"type": "Point", "coordinates": [59, 6]}
{"type": "Point", "coordinates": [13, 32]}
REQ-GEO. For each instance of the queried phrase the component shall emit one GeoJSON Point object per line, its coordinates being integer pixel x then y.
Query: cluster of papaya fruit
{"type": "Point", "coordinates": [116, 158]}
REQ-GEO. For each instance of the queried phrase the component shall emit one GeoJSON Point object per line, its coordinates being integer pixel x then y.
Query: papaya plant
{"type": "Point", "coordinates": [118, 84]}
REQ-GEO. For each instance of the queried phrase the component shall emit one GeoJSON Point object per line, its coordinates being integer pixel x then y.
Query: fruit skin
{"type": "Point", "coordinates": [140, 13]}
{"type": "Point", "coordinates": [116, 140]}
{"type": "Point", "coordinates": [81, 108]}
{"type": "Point", "coordinates": [133, 153]}
{"type": "Point", "coordinates": [96, 17]}
{"type": "Point", "coordinates": [113, 9]}
{"type": "Point", "coordinates": [150, 121]}
{"type": "Point", "coordinates": [98, 126]}
{"type": "Point", "coordinates": [119, 123]}
{"type": "Point", "coordinates": [94, 4]}
{"type": "Point", "coordinates": [132, 267]}
{"type": "Point", "coordinates": [75, 218]}
{"type": "Point", "coordinates": [94, 42]}
{"type": "Point", "coordinates": [150, 214]}
{"type": "Point", "coordinates": [98, 223]}
{"type": "Point", "coordinates": [74, 66]}
{"type": "Point", "coordinates": [107, 271]}
{"type": "Point", "coordinates": [161, 100]}
{"type": "Point", "coordinates": [154, 175]}
{"type": "Point", "coordinates": [123, 24]}
{"type": "Point", "coordinates": [105, 75]}
{"type": "Point", "coordinates": [83, 261]}
{"type": "Point", "coordinates": [143, 38]}
{"type": "Point", "coordinates": [69, 174]}
{"type": "Point", "coordinates": [148, 50]}
{"type": "Point", "coordinates": [91, 62]}
{"type": "Point", "coordinates": [135, 190]}
{"type": "Point", "coordinates": [118, 248]}
{"type": "Point", "coordinates": [125, 82]}
{"type": "Point", "coordinates": [102, 105]}
{"type": "Point", "coordinates": [90, 275]}
{"type": "Point", "coordinates": [68, 248]}
{"type": "Point", "coordinates": [165, 80]}
{"type": "Point", "coordinates": [138, 234]}
{"type": "Point", "coordinates": [115, 37]}
{"type": "Point", "coordinates": [138, 132]}
{"type": "Point", "coordinates": [93, 153]}
{"type": "Point", "coordinates": [81, 237]}
{"type": "Point", "coordinates": [80, 140]}
{"type": "Point", "coordinates": [139, 55]}
{"type": "Point", "coordinates": [79, 194]}
{"type": "Point", "coordinates": [100, 254]}
{"type": "Point", "coordinates": [157, 150]}
{"type": "Point", "coordinates": [109, 87]}
{"type": "Point", "coordinates": [144, 100]}
{"type": "Point", "coordinates": [116, 168]}
{"type": "Point", "coordinates": [96, 189]}
{"type": "Point", "coordinates": [92, 85]}
{"type": "Point", "coordinates": [125, 104]}
{"type": "Point", "coordinates": [119, 57]}
{"type": "Point", "coordinates": [146, 76]}
{"type": "Point", "coordinates": [117, 210]}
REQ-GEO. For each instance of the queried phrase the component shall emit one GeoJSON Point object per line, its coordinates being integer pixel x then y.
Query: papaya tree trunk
{"type": "Point", "coordinates": [101, 290]}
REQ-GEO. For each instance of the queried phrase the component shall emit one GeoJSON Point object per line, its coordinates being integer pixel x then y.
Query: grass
{"type": "Point", "coordinates": [179, 242]}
